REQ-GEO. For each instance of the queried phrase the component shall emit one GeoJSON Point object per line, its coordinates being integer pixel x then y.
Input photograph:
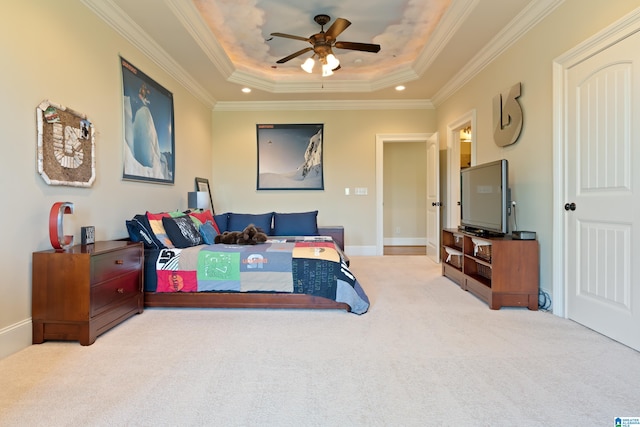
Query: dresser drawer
{"type": "Point", "coordinates": [116, 263]}
{"type": "Point", "coordinates": [114, 291]}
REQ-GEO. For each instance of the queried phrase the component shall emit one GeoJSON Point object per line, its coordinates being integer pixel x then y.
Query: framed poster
{"type": "Point", "coordinates": [149, 145]}
{"type": "Point", "coordinates": [290, 157]}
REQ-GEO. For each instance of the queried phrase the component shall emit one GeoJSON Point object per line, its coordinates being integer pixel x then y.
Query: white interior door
{"type": "Point", "coordinates": [433, 197]}
{"type": "Point", "coordinates": [602, 220]}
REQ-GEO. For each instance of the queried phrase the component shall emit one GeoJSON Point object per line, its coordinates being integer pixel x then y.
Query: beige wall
{"type": "Point", "coordinates": [349, 161]}
{"type": "Point", "coordinates": [62, 52]}
{"type": "Point", "coordinates": [529, 61]}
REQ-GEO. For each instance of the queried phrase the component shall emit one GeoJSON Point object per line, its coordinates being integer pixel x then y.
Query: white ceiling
{"type": "Point", "coordinates": [217, 47]}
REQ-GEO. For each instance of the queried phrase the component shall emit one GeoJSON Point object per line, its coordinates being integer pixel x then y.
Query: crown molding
{"type": "Point", "coordinates": [191, 20]}
{"type": "Point", "coordinates": [453, 19]}
{"type": "Point", "coordinates": [382, 104]}
{"type": "Point", "coordinates": [115, 17]}
{"type": "Point", "coordinates": [519, 26]}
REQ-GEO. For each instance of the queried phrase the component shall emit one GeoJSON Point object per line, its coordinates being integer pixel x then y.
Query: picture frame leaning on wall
{"type": "Point", "coordinates": [202, 184]}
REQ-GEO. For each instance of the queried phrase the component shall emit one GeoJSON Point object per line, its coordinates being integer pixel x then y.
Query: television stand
{"type": "Point", "coordinates": [501, 271]}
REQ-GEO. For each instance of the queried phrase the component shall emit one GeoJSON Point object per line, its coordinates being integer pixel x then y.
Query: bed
{"type": "Point", "coordinates": [308, 272]}
{"type": "Point", "coordinates": [184, 268]}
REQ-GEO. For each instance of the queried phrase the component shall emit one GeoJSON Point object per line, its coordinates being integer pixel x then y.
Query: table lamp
{"type": "Point", "coordinates": [198, 200]}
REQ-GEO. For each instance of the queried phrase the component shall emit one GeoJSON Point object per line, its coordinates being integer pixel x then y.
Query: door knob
{"type": "Point", "coordinates": [569, 206]}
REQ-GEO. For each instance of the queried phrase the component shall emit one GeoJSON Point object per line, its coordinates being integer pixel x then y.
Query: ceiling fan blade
{"type": "Point", "coordinates": [289, 36]}
{"type": "Point", "coordinates": [293, 55]}
{"type": "Point", "coordinates": [365, 47]}
{"type": "Point", "coordinates": [338, 26]}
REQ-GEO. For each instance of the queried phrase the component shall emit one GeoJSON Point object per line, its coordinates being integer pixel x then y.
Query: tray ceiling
{"type": "Point", "coordinates": [217, 47]}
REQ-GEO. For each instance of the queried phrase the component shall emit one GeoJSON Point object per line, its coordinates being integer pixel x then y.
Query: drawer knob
{"type": "Point", "coordinates": [119, 261]}
{"type": "Point", "coordinates": [121, 290]}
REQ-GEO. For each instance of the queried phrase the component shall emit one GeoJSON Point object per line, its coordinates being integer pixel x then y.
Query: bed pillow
{"type": "Point", "coordinates": [155, 221]}
{"type": "Point", "coordinates": [140, 231]}
{"type": "Point", "coordinates": [222, 221]}
{"type": "Point", "coordinates": [208, 233]}
{"type": "Point", "coordinates": [295, 224]}
{"type": "Point", "coordinates": [238, 222]}
{"type": "Point", "coordinates": [182, 231]}
{"type": "Point", "coordinates": [202, 216]}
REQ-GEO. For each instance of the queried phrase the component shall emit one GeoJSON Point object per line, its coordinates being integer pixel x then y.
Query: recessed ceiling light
{"type": "Point", "coordinates": [246, 90]}
{"type": "Point", "coordinates": [400, 87]}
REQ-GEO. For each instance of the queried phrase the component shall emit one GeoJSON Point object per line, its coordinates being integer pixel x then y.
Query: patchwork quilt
{"type": "Point", "coordinates": [312, 266]}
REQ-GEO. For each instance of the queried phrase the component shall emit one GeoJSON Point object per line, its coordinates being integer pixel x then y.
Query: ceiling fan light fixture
{"type": "Point", "coordinates": [321, 44]}
{"type": "Point", "coordinates": [308, 65]}
{"type": "Point", "coordinates": [332, 61]}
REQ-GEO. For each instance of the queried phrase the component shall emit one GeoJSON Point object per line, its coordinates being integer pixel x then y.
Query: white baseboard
{"type": "Point", "coordinates": [405, 241]}
{"type": "Point", "coordinates": [360, 250]}
{"type": "Point", "coordinates": [15, 337]}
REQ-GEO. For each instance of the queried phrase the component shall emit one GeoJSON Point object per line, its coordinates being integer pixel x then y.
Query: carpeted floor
{"type": "Point", "coordinates": [426, 354]}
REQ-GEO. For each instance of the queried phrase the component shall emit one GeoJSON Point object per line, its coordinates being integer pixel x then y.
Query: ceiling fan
{"type": "Point", "coordinates": [322, 44]}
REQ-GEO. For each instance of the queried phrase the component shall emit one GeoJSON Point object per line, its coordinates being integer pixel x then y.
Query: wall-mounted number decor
{"type": "Point", "coordinates": [149, 146]}
{"type": "Point", "coordinates": [290, 157]}
{"type": "Point", "coordinates": [507, 116]}
{"type": "Point", "coordinates": [66, 146]}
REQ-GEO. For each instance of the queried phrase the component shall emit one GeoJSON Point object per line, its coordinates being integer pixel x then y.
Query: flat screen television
{"type": "Point", "coordinates": [485, 198]}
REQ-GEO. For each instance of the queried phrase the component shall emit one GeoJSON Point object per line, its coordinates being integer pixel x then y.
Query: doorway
{"type": "Point", "coordinates": [422, 140]}
{"type": "Point", "coordinates": [461, 152]}
{"type": "Point", "coordinates": [404, 198]}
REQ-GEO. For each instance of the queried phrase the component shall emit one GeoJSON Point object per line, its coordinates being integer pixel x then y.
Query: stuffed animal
{"type": "Point", "coordinates": [228, 237]}
{"type": "Point", "coordinates": [251, 235]}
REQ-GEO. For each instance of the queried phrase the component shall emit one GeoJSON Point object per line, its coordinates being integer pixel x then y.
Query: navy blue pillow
{"type": "Point", "coordinates": [182, 232]}
{"type": "Point", "coordinates": [295, 224]}
{"type": "Point", "coordinates": [222, 221]}
{"type": "Point", "coordinates": [140, 230]}
{"type": "Point", "coordinates": [238, 222]}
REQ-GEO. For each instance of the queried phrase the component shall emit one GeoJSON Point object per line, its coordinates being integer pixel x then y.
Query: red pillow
{"type": "Point", "coordinates": [204, 216]}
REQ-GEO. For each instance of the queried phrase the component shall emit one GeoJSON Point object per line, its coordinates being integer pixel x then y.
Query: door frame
{"type": "Point", "coordinates": [382, 139]}
{"type": "Point", "coordinates": [609, 36]}
{"type": "Point", "coordinates": [453, 161]}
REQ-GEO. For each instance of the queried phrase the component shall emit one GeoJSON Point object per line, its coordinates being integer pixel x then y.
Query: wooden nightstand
{"type": "Point", "coordinates": [86, 290]}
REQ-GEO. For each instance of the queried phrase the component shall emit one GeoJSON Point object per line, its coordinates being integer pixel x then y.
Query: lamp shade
{"type": "Point", "coordinates": [198, 200]}
{"type": "Point", "coordinates": [332, 61]}
{"type": "Point", "coordinates": [326, 70]}
{"type": "Point", "coordinates": [308, 65]}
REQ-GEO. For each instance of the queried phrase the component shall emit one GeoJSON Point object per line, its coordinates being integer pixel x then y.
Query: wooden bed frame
{"type": "Point", "coordinates": [250, 300]}
{"type": "Point", "coordinates": [239, 300]}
